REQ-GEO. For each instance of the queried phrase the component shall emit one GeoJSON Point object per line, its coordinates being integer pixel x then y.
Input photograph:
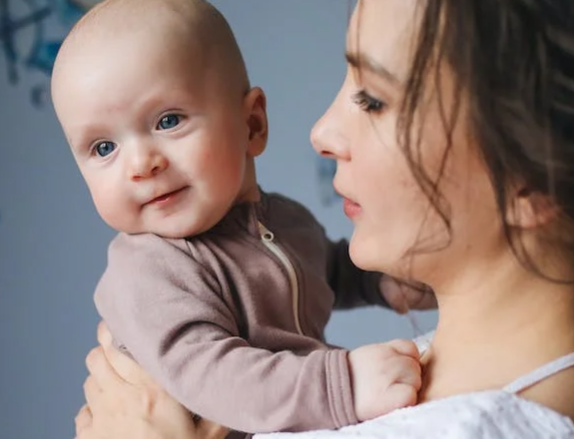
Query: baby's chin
{"type": "Point", "coordinates": [173, 231]}
{"type": "Point", "coordinates": [179, 226]}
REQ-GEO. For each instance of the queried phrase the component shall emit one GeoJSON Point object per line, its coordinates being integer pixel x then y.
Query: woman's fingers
{"type": "Point", "coordinates": [124, 366]}
{"type": "Point", "coordinates": [83, 420]}
{"type": "Point", "coordinates": [210, 430]}
{"type": "Point", "coordinates": [104, 335]}
{"type": "Point", "coordinates": [92, 391]}
{"type": "Point", "coordinates": [100, 369]}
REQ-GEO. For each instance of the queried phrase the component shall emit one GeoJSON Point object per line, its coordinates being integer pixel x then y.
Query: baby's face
{"type": "Point", "coordinates": [161, 149]}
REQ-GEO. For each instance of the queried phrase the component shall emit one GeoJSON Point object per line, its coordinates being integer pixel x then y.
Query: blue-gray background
{"type": "Point", "coordinates": [52, 243]}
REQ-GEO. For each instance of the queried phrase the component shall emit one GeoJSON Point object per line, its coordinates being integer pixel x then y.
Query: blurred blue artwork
{"type": "Point", "coordinates": [25, 41]}
{"type": "Point", "coordinates": [326, 169]}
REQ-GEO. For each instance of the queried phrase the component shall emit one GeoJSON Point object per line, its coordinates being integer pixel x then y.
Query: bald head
{"type": "Point", "coordinates": [187, 28]}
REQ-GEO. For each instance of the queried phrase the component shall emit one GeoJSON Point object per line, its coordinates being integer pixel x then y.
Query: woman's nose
{"type": "Point", "coordinates": [328, 135]}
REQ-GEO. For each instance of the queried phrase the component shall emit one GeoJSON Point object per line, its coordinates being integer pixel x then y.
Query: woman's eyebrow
{"type": "Point", "coordinates": [365, 62]}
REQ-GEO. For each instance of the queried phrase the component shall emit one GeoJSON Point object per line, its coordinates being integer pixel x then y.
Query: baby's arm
{"type": "Point", "coordinates": [170, 313]}
{"type": "Point", "coordinates": [353, 287]}
{"type": "Point", "coordinates": [124, 398]}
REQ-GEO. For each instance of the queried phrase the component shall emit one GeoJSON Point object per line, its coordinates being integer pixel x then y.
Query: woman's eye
{"type": "Point", "coordinates": [168, 122]}
{"type": "Point", "coordinates": [368, 103]}
{"type": "Point", "coordinates": [105, 148]}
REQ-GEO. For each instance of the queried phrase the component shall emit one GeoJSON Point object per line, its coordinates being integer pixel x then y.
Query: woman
{"type": "Point", "coordinates": [454, 140]}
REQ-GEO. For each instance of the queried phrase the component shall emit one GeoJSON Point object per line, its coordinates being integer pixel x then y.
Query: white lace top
{"type": "Point", "coordinates": [494, 414]}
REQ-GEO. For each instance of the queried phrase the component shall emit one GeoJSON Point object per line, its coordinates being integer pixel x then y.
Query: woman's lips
{"type": "Point", "coordinates": [351, 208]}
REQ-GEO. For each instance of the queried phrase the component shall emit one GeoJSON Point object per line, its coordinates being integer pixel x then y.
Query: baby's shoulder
{"type": "Point", "coordinates": [146, 249]}
{"type": "Point", "coordinates": [290, 212]}
{"type": "Point", "coordinates": [144, 243]}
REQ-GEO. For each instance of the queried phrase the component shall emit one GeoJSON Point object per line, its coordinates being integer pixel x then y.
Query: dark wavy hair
{"type": "Point", "coordinates": [514, 60]}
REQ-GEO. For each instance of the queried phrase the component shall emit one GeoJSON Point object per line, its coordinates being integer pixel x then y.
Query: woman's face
{"type": "Point", "coordinates": [382, 198]}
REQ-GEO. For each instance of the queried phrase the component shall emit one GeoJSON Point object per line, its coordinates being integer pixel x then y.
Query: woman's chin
{"type": "Point", "coordinates": [370, 254]}
{"type": "Point", "coordinates": [363, 253]}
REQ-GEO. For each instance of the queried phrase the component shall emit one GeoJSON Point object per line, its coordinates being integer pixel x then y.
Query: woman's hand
{"type": "Point", "coordinates": [123, 401]}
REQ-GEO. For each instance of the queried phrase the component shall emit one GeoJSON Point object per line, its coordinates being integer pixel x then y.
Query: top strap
{"type": "Point", "coordinates": [423, 341]}
{"type": "Point", "coordinates": [540, 374]}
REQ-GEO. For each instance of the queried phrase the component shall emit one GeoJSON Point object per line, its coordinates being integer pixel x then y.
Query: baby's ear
{"type": "Point", "coordinates": [530, 209]}
{"type": "Point", "coordinates": [255, 110]}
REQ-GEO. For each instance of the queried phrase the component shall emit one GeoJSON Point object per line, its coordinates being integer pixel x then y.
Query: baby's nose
{"type": "Point", "coordinates": [146, 163]}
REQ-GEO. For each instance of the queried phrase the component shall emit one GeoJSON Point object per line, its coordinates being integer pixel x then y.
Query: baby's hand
{"type": "Point", "coordinates": [403, 297]}
{"type": "Point", "coordinates": [385, 377]}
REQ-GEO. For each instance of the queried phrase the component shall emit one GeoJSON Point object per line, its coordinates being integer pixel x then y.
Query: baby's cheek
{"type": "Point", "coordinates": [116, 211]}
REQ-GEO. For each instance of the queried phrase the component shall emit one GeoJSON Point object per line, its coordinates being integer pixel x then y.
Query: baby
{"type": "Point", "coordinates": [221, 291]}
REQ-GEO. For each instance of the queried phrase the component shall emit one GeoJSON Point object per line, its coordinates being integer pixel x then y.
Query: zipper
{"type": "Point", "coordinates": [268, 238]}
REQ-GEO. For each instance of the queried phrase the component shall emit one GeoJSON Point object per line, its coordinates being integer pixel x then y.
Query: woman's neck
{"type": "Point", "coordinates": [496, 329]}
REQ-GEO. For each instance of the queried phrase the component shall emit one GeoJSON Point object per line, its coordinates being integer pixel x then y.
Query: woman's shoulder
{"type": "Point", "coordinates": [495, 414]}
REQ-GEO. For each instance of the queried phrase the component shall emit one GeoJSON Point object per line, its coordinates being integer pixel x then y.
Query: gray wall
{"type": "Point", "coordinates": [52, 244]}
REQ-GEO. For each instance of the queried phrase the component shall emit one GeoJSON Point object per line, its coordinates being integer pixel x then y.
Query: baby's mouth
{"type": "Point", "coordinates": [166, 197]}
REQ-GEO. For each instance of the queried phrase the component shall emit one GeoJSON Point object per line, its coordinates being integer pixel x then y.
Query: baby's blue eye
{"type": "Point", "coordinates": [168, 122]}
{"type": "Point", "coordinates": [105, 148]}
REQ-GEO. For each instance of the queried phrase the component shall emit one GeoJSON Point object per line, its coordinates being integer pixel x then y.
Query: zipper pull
{"type": "Point", "coordinates": [266, 234]}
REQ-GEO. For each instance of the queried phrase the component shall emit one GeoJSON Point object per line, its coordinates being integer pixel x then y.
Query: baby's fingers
{"type": "Point", "coordinates": [400, 395]}
{"type": "Point", "coordinates": [409, 372]}
{"type": "Point", "coordinates": [404, 347]}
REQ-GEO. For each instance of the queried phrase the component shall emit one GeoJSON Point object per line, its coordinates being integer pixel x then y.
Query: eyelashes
{"type": "Point", "coordinates": [368, 103]}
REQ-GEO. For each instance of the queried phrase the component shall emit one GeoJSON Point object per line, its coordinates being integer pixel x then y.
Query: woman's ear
{"type": "Point", "coordinates": [255, 110]}
{"type": "Point", "coordinates": [530, 209]}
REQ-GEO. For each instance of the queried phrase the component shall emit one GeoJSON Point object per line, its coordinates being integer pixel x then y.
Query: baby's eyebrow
{"type": "Point", "coordinates": [366, 62]}
{"type": "Point", "coordinates": [82, 137]}
{"type": "Point", "coordinates": [79, 149]}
